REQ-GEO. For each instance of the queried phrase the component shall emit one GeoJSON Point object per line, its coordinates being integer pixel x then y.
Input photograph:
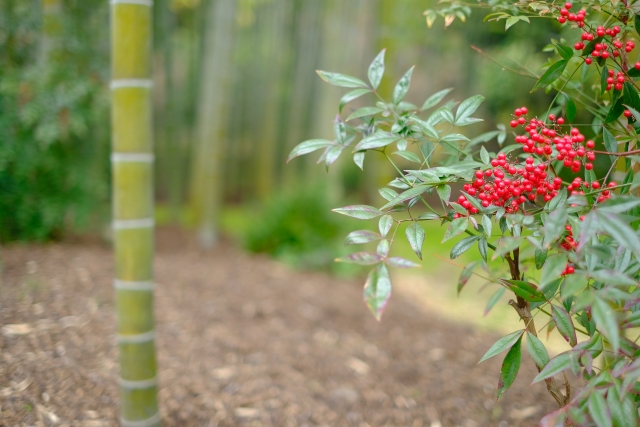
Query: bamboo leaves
{"type": "Point", "coordinates": [376, 70]}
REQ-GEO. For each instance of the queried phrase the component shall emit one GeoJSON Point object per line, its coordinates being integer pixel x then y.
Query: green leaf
{"type": "Point", "coordinates": [468, 107]}
{"type": "Point", "coordinates": [401, 89]}
{"type": "Point", "coordinates": [619, 204]}
{"type": "Point", "coordinates": [483, 248]}
{"type": "Point", "coordinates": [456, 227]}
{"type": "Point", "coordinates": [383, 248]}
{"type": "Point", "coordinates": [555, 223]}
{"type": "Point", "coordinates": [361, 258]}
{"type": "Point", "coordinates": [412, 157]}
{"type": "Point", "coordinates": [415, 235]}
{"type": "Point", "coordinates": [570, 110]}
{"type": "Point", "coordinates": [610, 142]}
{"type": "Point", "coordinates": [494, 299]}
{"type": "Point", "coordinates": [537, 350]}
{"type": "Point", "coordinates": [636, 23]}
{"type": "Point", "coordinates": [364, 111]}
{"type": "Point", "coordinates": [507, 244]}
{"type": "Point", "coordinates": [376, 140]}
{"type": "Point", "coordinates": [551, 75]}
{"type": "Point", "coordinates": [399, 262]}
{"type": "Point", "coordinates": [332, 154]}
{"type": "Point", "coordinates": [465, 275]}
{"type": "Point", "coordinates": [407, 195]}
{"type": "Point", "coordinates": [359, 211]}
{"type": "Point", "coordinates": [540, 257]}
{"type": "Point", "coordinates": [361, 236]}
{"type": "Point", "coordinates": [435, 99]}
{"type": "Point", "coordinates": [462, 246]}
{"type": "Point", "coordinates": [309, 146]}
{"type": "Point", "coordinates": [599, 410]}
{"type": "Point", "coordinates": [503, 344]}
{"type": "Point", "coordinates": [605, 318]}
{"type": "Point", "coordinates": [385, 223]}
{"type": "Point", "coordinates": [376, 70]}
{"type": "Point", "coordinates": [486, 225]}
{"type": "Point", "coordinates": [555, 366]}
{"type": "Point", "coordinates": [619, 230]}
{"type": "Point", "coordinates": [453, 137]}
{"type": "Point", "coordinates": [358, 159]}
{"type": "Point", "coordinates": [564, 324]}
{"type": "Point", "coordinates": [565, 51]}
{"type": "Point", "coordinates": [623, 409]}
{"type": "Point", "coordinates": [341, 80]}
{"type": "Point", "coordinates": [615, 111]}
{"type": "Point", "coordinates": [428, 216]}
{"type": "Point", "coordinates": [377, 290]}
{"type": "Point", "coordinates": [484, 156]}
{"type": "Point", "coordinates": [604, 75]}
{"type": "Point", "coordinates": [350, 96]}
{"type": "Point", "coordinates": [510, 367]}
{"type": "Point", "coordinates": [553, 267]}
{"type": "Point", "coordinates": [525, 290]}
{"type": "Point", "coordinates": [444, 191]}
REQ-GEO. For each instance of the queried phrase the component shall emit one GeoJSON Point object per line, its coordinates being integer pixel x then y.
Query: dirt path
{"type": "Point", "coordinates": [242, 341]}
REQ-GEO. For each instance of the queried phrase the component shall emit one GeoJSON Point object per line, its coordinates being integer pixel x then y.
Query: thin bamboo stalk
{"type": "Point", "coordinates": [213, 110]}
{"type": "Point", "coordinates": [132, 171]}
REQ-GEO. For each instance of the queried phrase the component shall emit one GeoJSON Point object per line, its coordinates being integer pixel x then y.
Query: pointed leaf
{"type": "Point", "coordinates": [376, 140]}
{"type": "Point", "coordinates": [401, 89]}
{"type": "Point", "coordinates": [399, 262]}
{"type": "Point", "coordinates": [309, 146]}
{"type": "Point", "coordinates": [377, 290]}
{"type": "Point", "coordinates": [617, 228]}
{"type": "Point", "coordinates": [555, 366]}
{"type": "Point", "coordinates": [444, 191]}
{"type": "Point", "coordinates": [407, 195]}
{"type": "Point", "coordinates": [412, 157]}
{"type": "Point", "coordinates": [364, 111]}
{"type": "Point", "coordinates": [564, 324]}
{"type": "Point", "coordinates": [350, 96]}
{"type": "Point", "coordinates": [468, 107]}
{"type": "Point", "coordinates": [385, 224]}
{"type": "Point", "coordinates": [483, 248]}
{"type": "Point", "coordinates": [415, 235]}
{"type": "Point", "coordinates": [361, 258]}
{"type": "Point", "coordinates": [623, 409]}
{"type": "Point", "coordinates": [551, 75]}
{"type": "Point", "coordinates": [502, 344]}
{"type": "Point", "coordinates": [510, 367]}
{"type": "Point", "coordinates": [435, 99]}
{"type": "Point", "coordinates": [462, 246]}
{"type": "Point", "coordinates": [457, 226]}
{"type": "Point", "coordinates": [599, 410]}
{"type": "Point", "coordinates": [553, 267]}
{"type": "Point", "coordinates": [540, 257]}
{"type": "Point", "coordinates": [358, 159]}
{"type": "Point", "coordinates": [341, 80]}
{"type": "Point", "coordinates": [361, 236]}
{"type": "Point", "coordinates": [525, 290]}
{"type": "Point", "coordinates": [359, 211]}
{"type": "Point", "coordinates": [376, 69]}
{"type": "Point", "coordinates": [565, 51]}
{"type": "Point", "coordinates": [605, 318]}
{"type": "Point", "coordinates": [537, 350]}
{"type": "Point", "coordinates": [494, 299]}
{"type": "Point", "coordinates": [465, 275]}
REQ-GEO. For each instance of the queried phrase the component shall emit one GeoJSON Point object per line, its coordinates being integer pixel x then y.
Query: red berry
{"type": "Point", "coordinates": [595, 185]}
{"type": "Point", "coordinates": [637, 66]}
{"type": "Point", "coordinates": [560, 121]}
{"type": "Point", "coordinates": [627, 113]}
{"type": "Point", "coordinates": [588, 61]}
{"type": "Point", "coordinates": [514, 123]}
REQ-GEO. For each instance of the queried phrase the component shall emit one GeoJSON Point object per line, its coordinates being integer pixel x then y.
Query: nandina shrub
{"type": "Point", "coordinates": [570, 248]}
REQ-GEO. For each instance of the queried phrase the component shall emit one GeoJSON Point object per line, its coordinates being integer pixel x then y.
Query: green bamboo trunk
{"type": "Point", "coordinates": [132, 166]}
{"type": "Point", "coordinates": [213, 116]}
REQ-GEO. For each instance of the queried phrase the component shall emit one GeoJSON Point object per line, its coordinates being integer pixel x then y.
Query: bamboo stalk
{"type": "Point", "coordinates": [213, 111]}
{"type": "Point", "coordinates": [132, 171]}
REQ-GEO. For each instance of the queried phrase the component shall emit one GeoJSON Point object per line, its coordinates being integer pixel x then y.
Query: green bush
{"type": "Point", "coordinates": [298, 227]}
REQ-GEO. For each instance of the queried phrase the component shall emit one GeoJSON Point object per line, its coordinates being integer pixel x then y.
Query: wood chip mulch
{"type": "Point", "coordinates": [242, 341]}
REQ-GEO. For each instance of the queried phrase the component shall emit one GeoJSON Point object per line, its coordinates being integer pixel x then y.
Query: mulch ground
{"type": "Point", "coordinates": [242, 341]}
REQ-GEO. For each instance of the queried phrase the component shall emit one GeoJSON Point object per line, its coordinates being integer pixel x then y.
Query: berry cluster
{"type": "Point", "coordinates": [510, 184]}
{"type": "Point", "coordinates": [616, 82]}
{"type": "Point", "coordinates": [567, 15]}
{"type": "Point", "coordinates": [571, 148]}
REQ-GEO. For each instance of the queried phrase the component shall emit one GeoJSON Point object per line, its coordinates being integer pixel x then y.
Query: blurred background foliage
{"type": "Point", "coordinates": [54, 119]}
